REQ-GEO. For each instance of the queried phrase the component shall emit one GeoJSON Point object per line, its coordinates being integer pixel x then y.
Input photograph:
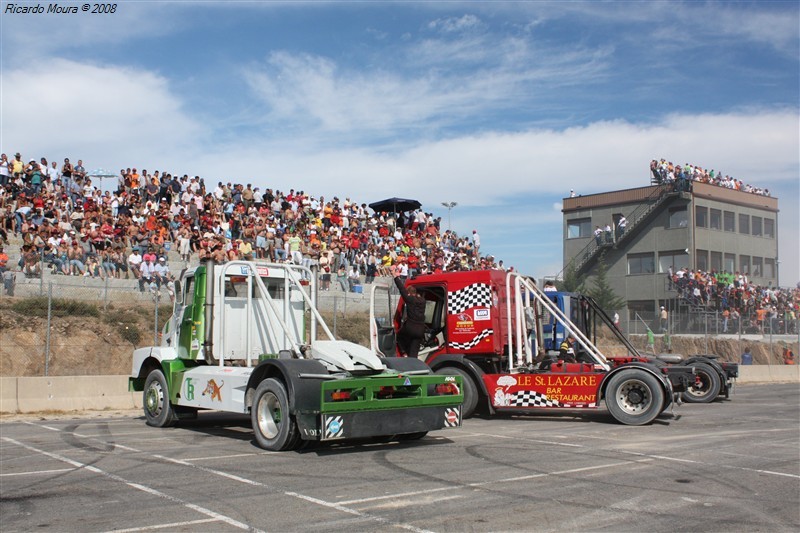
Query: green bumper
{"type": "Point", "coordinates": [394, 404]}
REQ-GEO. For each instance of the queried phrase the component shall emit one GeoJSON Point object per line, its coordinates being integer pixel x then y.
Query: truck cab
{"type": "Point", "coordinates": [498, 331]}
{"type": "Point", "coordinates": [243, 338]}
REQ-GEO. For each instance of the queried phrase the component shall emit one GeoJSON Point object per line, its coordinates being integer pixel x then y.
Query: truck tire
{"type": "Point", "coordinates": [706, 386]}
{"type": "Point", "coordinates": [158, 412]}
{"type": "Point", "coordinates": [634, 397]}
{"type": "Point", "coordinates": [469, 389]}
{"type": "Point", "coordinates": [274, 428]}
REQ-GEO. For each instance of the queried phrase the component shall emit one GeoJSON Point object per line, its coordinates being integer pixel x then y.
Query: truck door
{"type": "Point", "coordinates": [188, 344]}
{"type": "Point", "coordinates": [435, 320]}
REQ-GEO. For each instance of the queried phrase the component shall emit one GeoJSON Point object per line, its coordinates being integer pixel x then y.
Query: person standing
{"type": "Point", "coordinates": [788, 356]}
{"type": "Point", "coordinates": [747, 357]}
{"type": "Point", "coordinates": [476, 243]}
{"type": "Point", "coordinates": [412, 330]}
{"type": "Point", "coordinates": [622, 224]}
{"type": "Point", "coordinates": [664, 319]}
{"type": "Point", "coordinates": [5, 170]}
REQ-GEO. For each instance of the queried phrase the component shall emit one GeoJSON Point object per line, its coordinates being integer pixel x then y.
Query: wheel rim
{"type": "Point", "coordinates": [269, 415]}
{"type": "Point", "coordinates": [155, 399]}
{"type": "Point", "coordinates": [634, 396]}
{"type": "Point", "coordinates": [702, 384]}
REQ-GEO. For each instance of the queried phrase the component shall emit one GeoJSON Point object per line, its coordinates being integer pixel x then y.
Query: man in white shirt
{"type": "Point", "coordinates": [135, 264]}
{"type": "Point", "coordinates": [161, 272]}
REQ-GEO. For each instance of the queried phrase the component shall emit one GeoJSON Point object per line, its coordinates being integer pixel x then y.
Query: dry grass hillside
{"type": "Point", "coordinates": [86, 339]}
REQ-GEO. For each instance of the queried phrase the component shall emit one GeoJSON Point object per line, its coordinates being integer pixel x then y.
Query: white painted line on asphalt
{"type": "Point", "coordinates": [317, 501]}
{"type": "Point", "coordinates": [166, 526]}
{"type": "Point", "coordinates": [40, 425]}
{"type": "Point", "coordinates": [39, 472]}
{"type": "Point", "coordinates": [408, 502]}
{"type": "Point", "coordinates": [84, 436]}
{"type": "Point", "coordinates": [138, 486]}
{"type": "Point", "coordinates": [715, 465]}
{"type": "Point", "coordinates": [232, 456]}
{"type": "Point", "coordinates": [491, 482]}
{"type": "Point", "coordinates": [512, 437]}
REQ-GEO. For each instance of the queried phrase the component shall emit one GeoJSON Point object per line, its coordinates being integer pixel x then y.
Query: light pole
{"type": "Point", "coordinates": [449, 206]}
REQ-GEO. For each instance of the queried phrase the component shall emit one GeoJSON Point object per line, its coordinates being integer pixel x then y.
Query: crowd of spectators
{"type": "Point", "coordinates": [740, 302]}
{"type": "Point", "coordinates": [665, 172]}
{"type": "Point", "coordinates": [68, 225]}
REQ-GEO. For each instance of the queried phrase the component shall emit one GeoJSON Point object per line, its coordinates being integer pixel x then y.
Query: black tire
{"type": "Point", "coordinates": [158, 412]}
{"type": "Point", "coordinates": [275, 429]}
{"type": "Point", "coordinates": [706, 386]}
{"type": "Point", "coordinates": [470, 390]}
{"type": "Point", "coordinates": [634, 397]}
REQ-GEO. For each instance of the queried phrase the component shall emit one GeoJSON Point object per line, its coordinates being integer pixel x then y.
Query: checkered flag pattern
{"type": "Point", "coordinates": [475, 295]}
{"type": "Point", "coordinates": [533, 399]}
{"type": "Point", "coordinates": [471, 344]}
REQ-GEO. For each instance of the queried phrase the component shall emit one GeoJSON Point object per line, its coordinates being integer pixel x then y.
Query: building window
{"type": "Point", "coordinates": [701, 259]}
{"type": "Point", "coordinates": [716, 261]}
{"type": "Point", "coordinates": [757, 227]}
{"type": "Point", "coordinates": [744, 224]}
{"type": "Point", "coordinates": [701, 217]}
{"type": "Point", "coordinates": [579, 228]}
{"type": "Point", "coordinates": [715, 220]}
{"type": "Point", "coordinates": [744, 264]}
{"type": "Point", "coordinates": [769, 228]}
{"type": "Point", "coordinates": [769, 267]}
{"type": "Point", "coordinates": [729, 221]}
{"type": "Point", "coordinates": [730, 263]}
{"type": "Point", "coordinates": [641, 264]}
{"type": "Point", "coordinates": [644, 309]}
{"type": "Point", "coordinates": [678, 218]}
{"type": "Point", "coordinates": [677, 260]}
{"type": "Point", "coordinates": [758, 267]}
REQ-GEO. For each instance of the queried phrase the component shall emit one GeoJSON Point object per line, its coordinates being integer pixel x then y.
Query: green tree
{"type": "Point", "coordinates": [602, 292]}
{"type": "Point", "coordinates": [572, 282]}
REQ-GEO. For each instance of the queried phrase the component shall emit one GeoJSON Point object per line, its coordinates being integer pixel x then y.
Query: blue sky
{"type": "Point", "coordinates": [501, 107]}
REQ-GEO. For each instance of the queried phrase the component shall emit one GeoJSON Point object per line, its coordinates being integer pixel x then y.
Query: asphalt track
{"type": "Point", "coordinates": [728, 466]}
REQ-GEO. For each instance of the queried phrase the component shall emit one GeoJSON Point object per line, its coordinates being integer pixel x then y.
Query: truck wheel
{"type": "Point", "coordinates": [469, 389]}
{"type": "Point", "coordinates": [273, 425]}
{"type": "Point", "coordinates": [706, 385]}
{"type": "Point", "coordinates": [634, 397]}
{"type": "Point", "coordinates": [158, 411]}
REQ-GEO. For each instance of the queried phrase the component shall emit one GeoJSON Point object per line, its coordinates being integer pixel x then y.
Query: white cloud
{"type": "Point", "coordinates": [455, 24]}
{"type": "Point", "coordinates": [57, 108]}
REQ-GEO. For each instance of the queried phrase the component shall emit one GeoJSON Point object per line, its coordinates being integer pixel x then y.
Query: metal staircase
{"type": "Point", "coordinates": [586, 257]}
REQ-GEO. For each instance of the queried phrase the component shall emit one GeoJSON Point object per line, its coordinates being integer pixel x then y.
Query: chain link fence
{"type": "Point", "coordinates": [690, 332]}
{"type": "Point", "coordinates": [54, 325]}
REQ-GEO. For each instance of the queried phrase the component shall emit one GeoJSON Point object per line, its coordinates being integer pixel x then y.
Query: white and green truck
{"type": "Point", "coordinates": [242, 339]}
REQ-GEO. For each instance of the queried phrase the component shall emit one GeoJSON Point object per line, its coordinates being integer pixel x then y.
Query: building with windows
{"type": "Point", "coordinates": [707, 228]}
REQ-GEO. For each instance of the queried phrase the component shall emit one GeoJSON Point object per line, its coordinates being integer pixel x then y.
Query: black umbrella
{"type": "Point", "coordinates": [395, 205]}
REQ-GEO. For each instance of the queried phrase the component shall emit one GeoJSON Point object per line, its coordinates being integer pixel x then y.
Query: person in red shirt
{"type": "Point", "coordinates": [3, 261]}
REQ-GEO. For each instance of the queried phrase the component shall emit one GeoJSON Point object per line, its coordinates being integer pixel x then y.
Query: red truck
{"type": "Point", "coordinates": [486, 326]}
